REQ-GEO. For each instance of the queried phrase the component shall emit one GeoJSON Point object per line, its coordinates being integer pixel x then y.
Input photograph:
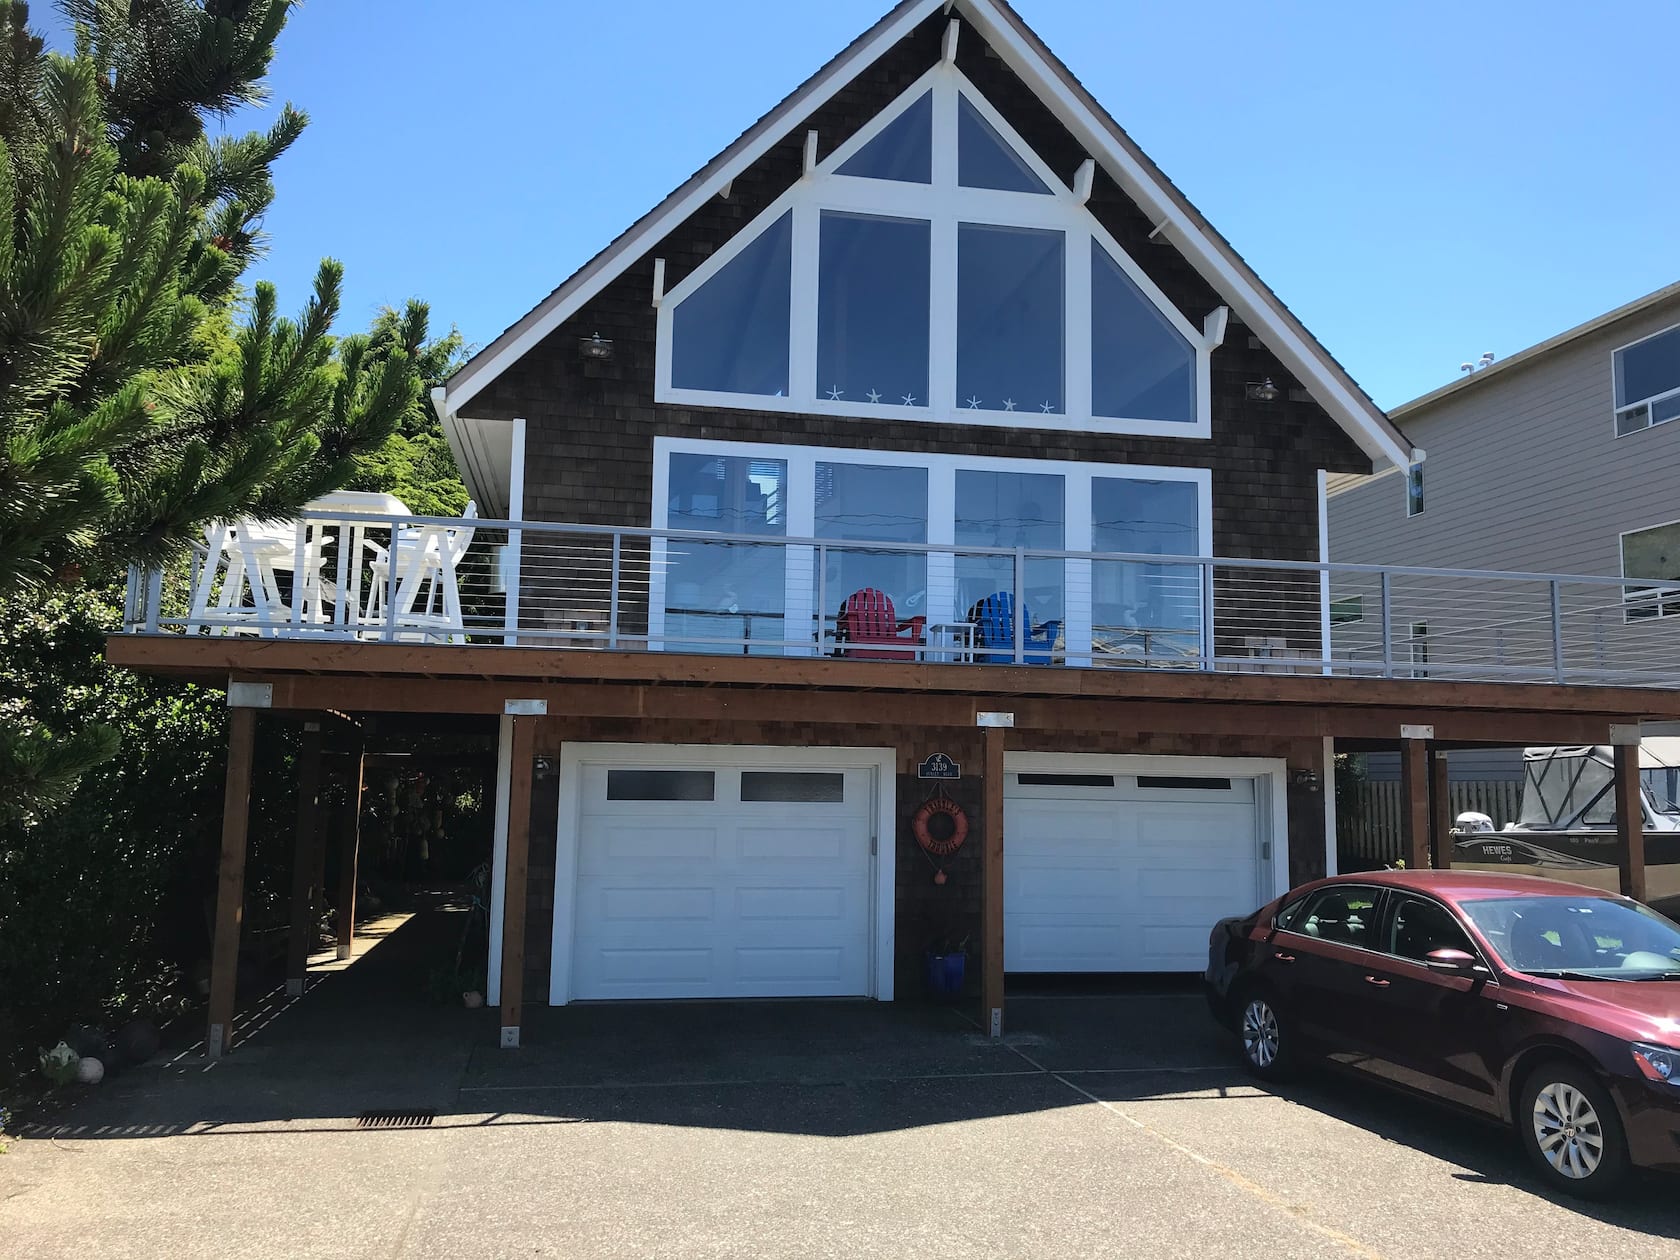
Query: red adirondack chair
{"type": "Point", "coordinates": [866, 619]}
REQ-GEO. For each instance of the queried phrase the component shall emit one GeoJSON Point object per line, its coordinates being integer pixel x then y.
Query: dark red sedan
{"type": "Point", "coordinates": [1554, 1007]}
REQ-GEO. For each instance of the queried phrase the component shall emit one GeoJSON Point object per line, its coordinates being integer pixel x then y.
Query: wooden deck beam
{"type": "Point", "coordinates": [991, 895]}
{"type": "Point", "coordinates": [350, 854]}
{"type": "Point", "coordinates": [1630, 822]}
{"type": "Point", "coordinates": [1414, 802]}
{"type": "Point", "coordinates": [206, 658]}
{"type": "Point", "coordinates": [1440, 811]}
{"type": "Point", "coordinates": [230, 884]}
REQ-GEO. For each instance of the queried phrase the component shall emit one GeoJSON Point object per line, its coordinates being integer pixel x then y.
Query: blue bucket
{"type": "Point", "coordinates": [945, 973]}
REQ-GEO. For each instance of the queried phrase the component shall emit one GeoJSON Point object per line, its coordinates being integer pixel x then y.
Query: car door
{"type": "Point", "coordinates": [1318, 957]}
{"type": "Point", "coordinates": [1428, 1029]}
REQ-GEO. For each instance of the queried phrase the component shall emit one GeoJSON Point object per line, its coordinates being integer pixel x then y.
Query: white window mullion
{"type": "Point", "coordinates": [800, 607]}
{"type": "Point", "coordinates": [802, 352]}
{"type": "Point", "coordinates": [942, 532]}
{"type": "Point", "coordinates": [1077, 338]}
{"type": "Point", "coordinates": [1077, 575]}
{"type": "Point", "coordinates": [942, 303]}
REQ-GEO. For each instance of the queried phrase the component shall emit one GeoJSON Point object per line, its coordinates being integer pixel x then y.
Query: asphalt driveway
{"type": "Point", "coordinates": [1105, 1125]}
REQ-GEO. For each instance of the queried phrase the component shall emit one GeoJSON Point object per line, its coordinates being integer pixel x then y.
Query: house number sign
{"type": "Point", "coordinates": [939, 766]}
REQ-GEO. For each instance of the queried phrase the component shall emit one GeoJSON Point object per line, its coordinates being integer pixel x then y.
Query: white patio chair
{"type": "Point", "coordinates": [428, 559]}
{"type": "Point", "coordinates": [247, 558]}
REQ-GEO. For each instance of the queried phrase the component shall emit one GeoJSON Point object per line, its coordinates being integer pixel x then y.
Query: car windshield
{"type": "Point", "coordinates": [1593, 937]}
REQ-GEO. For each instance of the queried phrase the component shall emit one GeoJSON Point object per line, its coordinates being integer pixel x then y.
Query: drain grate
{"type": "Point", "coordinates": [395, 1119]}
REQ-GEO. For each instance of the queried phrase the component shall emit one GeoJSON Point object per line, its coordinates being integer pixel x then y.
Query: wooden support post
{"type": "Point", "coordinates": [1414, 802]}
{"type": "Point", "coordinates": [1440, 812]}
{"type": "Point", "coordinates": [352, 842]}
{"type": "Point", "coordinates": [230, 883]}
{"type": "Point", "coordinates": [1630, 822]}
{"type": "Point", "coordinates": [305, 892]}
{"type": "Point", "coordinates": [991, 880]}
{"type": "Point", "coordinates": [514, 888]}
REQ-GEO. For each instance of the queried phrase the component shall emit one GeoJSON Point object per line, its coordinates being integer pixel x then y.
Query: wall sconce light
{"type": "Point", "coordinates": [1304, 778]}
{"type": "Point", "coordinates": [596, 347]}
{"type": "Point", "coordinates": [1263, 391]}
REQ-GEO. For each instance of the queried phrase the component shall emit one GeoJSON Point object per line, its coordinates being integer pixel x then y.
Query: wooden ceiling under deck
{"type": "Point", "coordinates": [415, 678]}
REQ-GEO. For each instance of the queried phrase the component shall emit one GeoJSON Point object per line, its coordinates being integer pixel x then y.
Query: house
{"type": "Point", "coordinates": [910, 531]}
{"type": "Point", "coordinates": [1555, 460]}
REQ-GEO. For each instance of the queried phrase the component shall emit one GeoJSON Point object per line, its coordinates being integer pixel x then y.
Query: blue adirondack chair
{"type": "Point", "coordinates": [994, 621]}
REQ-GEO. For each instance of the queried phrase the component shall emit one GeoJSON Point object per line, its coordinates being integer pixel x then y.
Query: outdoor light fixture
{"type": "Point", "coordinates": [596, 347]}
{"type": "Point", "coordinates": [1265, 391]}
{"type": "Point", "coordinates": [1304, 778]}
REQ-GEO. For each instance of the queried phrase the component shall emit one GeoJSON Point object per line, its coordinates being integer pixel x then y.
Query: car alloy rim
{"type": "Point", "coordinates": [1259, 1033]}
{"type": "Point", "coordinates": [1568, 1130]}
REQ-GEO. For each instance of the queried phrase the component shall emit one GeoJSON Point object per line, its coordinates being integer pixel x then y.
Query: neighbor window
{"type": "Point", "coordinates": [932, 267]}
{"type": "Point", "coordinates": [1347, 610]}
{"type": "Point", "coordinates": [1653, 554]}
{"type": "Point", "coordinates": [1414, 490]}
{"type": "Point", "coordinates": [1648, 382]}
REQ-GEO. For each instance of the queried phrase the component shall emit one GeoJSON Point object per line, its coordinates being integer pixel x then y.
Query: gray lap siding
{"type": "Point", "coordinates": [591, 424]}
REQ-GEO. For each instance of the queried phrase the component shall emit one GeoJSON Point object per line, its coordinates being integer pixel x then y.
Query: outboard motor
{"type": "Point", "coordinates": [1470, 821]}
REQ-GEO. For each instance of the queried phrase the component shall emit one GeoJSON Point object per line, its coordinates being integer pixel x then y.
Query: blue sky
{"type": "Point", "coordinates": [1421, 182]}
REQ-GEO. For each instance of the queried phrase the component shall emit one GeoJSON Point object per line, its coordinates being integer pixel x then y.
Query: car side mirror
{"type": "Point", "coordinates": [1453, 962]}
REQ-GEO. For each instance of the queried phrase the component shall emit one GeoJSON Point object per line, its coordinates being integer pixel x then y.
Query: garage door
{"type": "Point", "coordinates": [722, 881]}
{"type": "Point", "coordinates": [1124, 872]}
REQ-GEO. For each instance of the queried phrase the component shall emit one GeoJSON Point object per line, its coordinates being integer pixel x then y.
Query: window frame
{"type": "Point", "coordinates": [1618, 408]}
{"type": "Point", "coordinates": [1379, 911]}
{"type": "Point", "coordinates": [1413, 485]}
{"type": "Point", "coordinates": [944, 204]}
{"type": "Point", "coordinates": [1649, 603]}
{"type": "Point", "coordinates": [1385, 935]}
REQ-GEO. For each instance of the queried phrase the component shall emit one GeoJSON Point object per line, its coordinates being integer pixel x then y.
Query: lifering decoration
{"type": "Point", "coordinates": [940, 826]}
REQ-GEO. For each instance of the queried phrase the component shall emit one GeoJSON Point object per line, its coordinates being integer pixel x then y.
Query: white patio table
{"type": "Point", "coordinates": [346, 597]}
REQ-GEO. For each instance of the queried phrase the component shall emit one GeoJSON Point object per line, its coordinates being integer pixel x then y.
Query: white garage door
{"type": "Point", "coordinates": [702, 880]}
{"type": "Point", "coordinates": [1124, 872]}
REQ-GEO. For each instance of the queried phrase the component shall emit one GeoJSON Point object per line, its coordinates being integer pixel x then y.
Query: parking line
{"type": "Point", "coordinates": [1230, 1174]}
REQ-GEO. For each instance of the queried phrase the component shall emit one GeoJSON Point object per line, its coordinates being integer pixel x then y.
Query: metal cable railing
{"type": "Point", "coordinates": [412, 579]}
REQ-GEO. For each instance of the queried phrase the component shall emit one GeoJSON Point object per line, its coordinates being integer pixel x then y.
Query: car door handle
{"type": "Point", "coordinates": [1283, 957]}
{"type": "Point", "coordinates": [1381, 984]}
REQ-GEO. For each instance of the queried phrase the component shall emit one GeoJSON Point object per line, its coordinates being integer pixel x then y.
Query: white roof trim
{"type": "Point", "coordinates": [1024, 54]}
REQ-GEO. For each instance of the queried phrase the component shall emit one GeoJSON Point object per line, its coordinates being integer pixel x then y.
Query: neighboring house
{"type": "Point", "coordinates": [935, 334]}
{"type": "Point", "coordinates": [1557, 460]}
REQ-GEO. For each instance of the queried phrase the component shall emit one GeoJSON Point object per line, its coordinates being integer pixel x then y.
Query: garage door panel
{"type": "Point", "coordinates": [779, 905]}
{"type": "Point", "coordinates": [1207, 885]}
{"type": "Point", "coordinates": [801, 842]}
{"type": "Point", "coordinates": [610, 842]}
{"type": "Point", "coordinates": [653, 967]}
{"type": "Point", "coordinates": [1172, 947]}
{"type": "Point", "coordinates": [1064, 945]}
{"type": "Point", "coordinates": [630, 904]}
{"type": "Point", "coordinates": [813, 965]}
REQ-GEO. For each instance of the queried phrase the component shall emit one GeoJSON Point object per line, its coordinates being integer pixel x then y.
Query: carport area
{"type": "Point", "coordinates": [1106, 1123]}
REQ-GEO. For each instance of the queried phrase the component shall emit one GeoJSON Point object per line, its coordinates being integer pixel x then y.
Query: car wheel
{"type": "Point", "coordinates": [1572, 1131]}
{"type": "Point", "coordinates": [1267, 1039]}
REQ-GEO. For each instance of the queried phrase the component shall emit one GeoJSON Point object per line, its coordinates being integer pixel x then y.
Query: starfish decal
{"type": "Point", "coordinates": [974, 403]}
{"type": "Point", "coordinates": [1009, 404]}
{"type": "Point", "coordinates": [835, 393]}
{"type": "Point", "coordinates": [1046, 408]}
{"type": "Point", "coordinates": [873, 396]}
{"type": "Point", "coordinates": [909, 400]}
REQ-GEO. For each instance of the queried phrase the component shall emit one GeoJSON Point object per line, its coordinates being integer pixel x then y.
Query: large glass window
{"type": "Point", "coordinates": [1655, 554]}
{"type": "Point", "coordinates": [903, 150]}
{"type": "Point", "coordinates": [1010, 327]}
{"type": "Point", "coordinates": [872, 310]}
{"type": "Point", "coordinates": [864, 504]}
{"type": "Point", "coordinates": [1138, 608]}
{"type": "Point", "coordinates": [1142, 368]}
{"type": "Point", "coordinates": [1648, 382]}
{"type": "Point", "coordinates": [1010, 510]}
{"type": "Point", "coordinates": [941, 273]}
{"type": "Point", "coordinates": [726, 594]}
{"type": "Point", "coordinates": [731, 334]}
{"type": "Point", "coordinates": [984, 160]}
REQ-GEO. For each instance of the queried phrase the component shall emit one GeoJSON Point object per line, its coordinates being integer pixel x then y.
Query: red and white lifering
{"type": "Point", "coordinates": [940, 846]}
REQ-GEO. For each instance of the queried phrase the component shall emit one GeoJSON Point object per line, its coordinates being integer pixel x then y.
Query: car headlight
{"type": "Point", "coordinates": [1657, 1063]}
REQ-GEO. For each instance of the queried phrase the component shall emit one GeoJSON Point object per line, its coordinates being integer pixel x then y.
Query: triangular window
{"type": "Point", "coordinates": [984, 160]}
{"type": "Point", "coordinates": [731, 333]}
{"type": "Point", "coordinates": [1142, 368]}
{"type": "Point", "coordinates": [903, 151]}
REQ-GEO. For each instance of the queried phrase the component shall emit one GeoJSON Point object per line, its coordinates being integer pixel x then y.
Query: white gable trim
{"type": "Point", "coordinates": [1212, 258]}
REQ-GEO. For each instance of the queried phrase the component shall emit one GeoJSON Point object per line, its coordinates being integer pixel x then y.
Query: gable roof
{"type": "Point", "coordinates": [1469, 380]}
{"type": "Point", "coordinates": [1074, 107]}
